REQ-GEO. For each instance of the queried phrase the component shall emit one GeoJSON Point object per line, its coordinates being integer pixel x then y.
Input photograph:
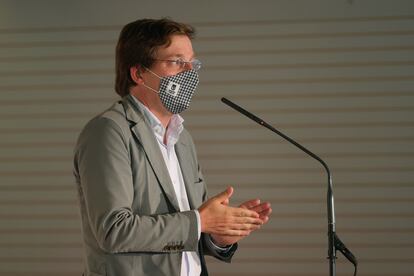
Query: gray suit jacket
{"type": "Point", "coordinates": [131, 221]}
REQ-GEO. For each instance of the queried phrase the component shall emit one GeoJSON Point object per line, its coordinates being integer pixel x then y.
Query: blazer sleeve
{"type": "Point", "coordinates": [208, 248]}
{"type": "Point", "coordinates": [103, 171]}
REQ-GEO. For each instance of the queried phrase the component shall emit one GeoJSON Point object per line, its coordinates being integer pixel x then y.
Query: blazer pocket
{"type": "Point", "coordinates": [198, 191]}
{"type": "Point", "coordinates": [198, 181]}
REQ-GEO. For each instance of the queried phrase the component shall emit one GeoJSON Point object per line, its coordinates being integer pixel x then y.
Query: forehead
{"type": "Point", "coordinates": [180, 46]}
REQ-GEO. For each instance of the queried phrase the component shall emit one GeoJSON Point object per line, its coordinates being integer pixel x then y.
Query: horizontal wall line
{"type": "Point", "coordinates": [52, 173]}
{"type": "Point", "coordinates": [310, 65]}
{"type": "Point", "coordinates": [330, 140]}
{"type": "Point", "coordinates": [264, 230]}
{"type": "Point", "coordinates": [392, 230]}
{"type": "Point", "coordinates": [309, 35]}
{"type": "Point", "coordinates": [51, 115]}
{"type": "Point", "coordinates": [307, 273]}
{"type": "Point", "coordinates": [255, 156]}
{"type": "Point", "coordinates": [311, 95]}
{"type": "Point", "coordinates": [63, 100]}
{"type": "Point", "coordinates": [275, 216]}
{"type": "Point", "coordinates": [226, 156]}
{"type": "Point", "coordinates": [226, 127]}
{"type": "Point", "coordinates": [38, 202]}
{"type": "Point", "coordinates": [60, 273]}
{"type": "Point", "coordinates": [220, 38]}
{"type": "Point", "coordinates": [319, 50]}
{"type": "Point", "coordinates": [289, 245]}
{"type": "Point", "coordinates": [304, 170]}
{"type": "Point", "coordinates": [274, 201]}
{"type": "Point", "coordinates": [321, 259]}
{"type": "Point", "coordinates": [241, 67]}
{"type": "Point", "coordinates": [52, 144]}
{"type": "Point", "coordinates": [37, 187]}
{"type": "Point", "coordinates": [71, 57]}
{"type": "Point", "coordinates": [58, 72]}
{"type": "Point", "coordinates": [252, 96]}
{"type": "Point", "coordinates": [54, 87]}
{"type": "Point", "coordinates": [61, 43]}
{"type": "Point", "coordinates": [33, 216]}
{"type": "Point", "coordinates": [215, 185]}
{"type": "Point", "coordinates": [304, 20]}
{"type": "Point", "coordinates": [63, 259]}
{"type": "Point", "coordinates": [49, 173]}
{"type": "Point", "coordinates": [296, 185]}
{"type": "Point", "coordinates": [41, 245]}
{"type": "Point", "coordinates": [42, 231]}
{"type": "Point", "coordinates": [294, 110]}
{"type": "Point", "coordinates": [43, 130]}
{"type": "Point", "coordinates": [305, 125]}
{"type": "Point", "coordinates": [308, 80]}
{"type": "Point", "coordinates": [322, 199]}
{"type": "Point", "coordinates": [97, 28]}
{"type": "Point", "coordinates": [275, 110]}
{"type": "Point", "coordinates": [233, 52]}
{"type": "Point", "coordinates": [35, 159]}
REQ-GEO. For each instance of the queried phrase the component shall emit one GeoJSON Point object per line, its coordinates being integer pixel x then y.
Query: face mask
{"type": "Point", "coordinates": [176, 91]}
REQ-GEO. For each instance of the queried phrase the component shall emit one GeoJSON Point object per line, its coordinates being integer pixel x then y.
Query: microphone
{"type": "Point", "coordinates": [334, 243]}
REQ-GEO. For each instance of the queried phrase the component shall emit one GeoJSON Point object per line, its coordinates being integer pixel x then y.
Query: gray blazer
{"type": "Point", "coordinates": [131, 221]}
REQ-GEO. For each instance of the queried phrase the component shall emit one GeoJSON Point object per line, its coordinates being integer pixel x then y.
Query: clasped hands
{"type": "Point", "coordinates": [227, 225]}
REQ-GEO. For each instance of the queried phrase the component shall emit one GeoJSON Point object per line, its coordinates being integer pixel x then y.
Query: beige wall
{"type": "Point", "coordinates": [336, 76]}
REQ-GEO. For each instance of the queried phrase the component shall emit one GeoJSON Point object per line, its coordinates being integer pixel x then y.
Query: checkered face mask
{"type": "Point", "coordinates": [176, 91]}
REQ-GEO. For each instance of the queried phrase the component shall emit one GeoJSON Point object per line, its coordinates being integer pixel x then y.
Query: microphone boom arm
{"type": "Point", "coordinates": [333, 240]}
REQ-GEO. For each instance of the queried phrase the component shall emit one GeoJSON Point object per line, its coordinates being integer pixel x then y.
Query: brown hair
{"type": "Point", "coordinates": [138, 43]}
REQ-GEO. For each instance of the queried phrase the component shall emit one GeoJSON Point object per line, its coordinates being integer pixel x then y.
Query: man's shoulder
{"type": "Point", "coordinates": [114, 113]}
{"type": "Point", "coordinates": [111, 118]}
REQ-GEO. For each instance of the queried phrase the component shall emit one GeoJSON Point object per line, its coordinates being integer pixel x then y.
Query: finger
{"type": "Point", "coordinates": [241, 212]}
{"type": "Point", "coordinates": [245, 226]}
{"type": "Point", "coordinates": [265, 212]}
{"type": "Point", "coordinates": [250, 204]}
{"type": "Point", "coordinates": [247, 220]}
{"type": "Point", "coordinates": [265, 219]}
{"type": "Point", "coordinates": [261, 207]}
{"type": "Point", "coordinates": [225, 195]}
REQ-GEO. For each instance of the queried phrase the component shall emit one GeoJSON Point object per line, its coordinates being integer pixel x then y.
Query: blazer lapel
{"type": "Point", "coordinates": [145, 136]}
{"type": "Point", "coordinates": [184, 156]}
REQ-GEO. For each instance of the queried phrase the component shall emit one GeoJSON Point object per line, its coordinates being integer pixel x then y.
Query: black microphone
{"type": "Point", "coordinates": [334, 243]}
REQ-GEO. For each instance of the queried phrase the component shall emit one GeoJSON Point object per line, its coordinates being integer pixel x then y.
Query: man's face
{"type": "Point", "coordinates": [164, 65]}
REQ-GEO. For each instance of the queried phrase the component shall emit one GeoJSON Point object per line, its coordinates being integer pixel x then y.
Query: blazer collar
{"type": "Point", "coordinates": [145, 136]}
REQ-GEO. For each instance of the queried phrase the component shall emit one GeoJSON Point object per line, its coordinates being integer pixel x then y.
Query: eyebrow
{"type": "Point", "coordinates": [180, 56]}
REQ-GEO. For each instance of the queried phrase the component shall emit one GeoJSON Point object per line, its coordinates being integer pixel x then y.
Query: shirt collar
{"type": "Point", "coordinates": [174, 128]}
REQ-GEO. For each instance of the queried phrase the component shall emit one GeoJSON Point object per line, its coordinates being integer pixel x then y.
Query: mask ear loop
{"type": "Point", "coordinates": [150, 88]}
{"type": "Point", "coordinates": [152, 73]}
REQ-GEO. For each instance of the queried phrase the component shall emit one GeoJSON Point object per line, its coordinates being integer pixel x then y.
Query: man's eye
{"type": "Point", "coordinates": [179, 62]}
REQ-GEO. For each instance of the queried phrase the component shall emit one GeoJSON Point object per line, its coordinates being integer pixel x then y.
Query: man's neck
{"type": "Point", "coordinates": [156, 108]}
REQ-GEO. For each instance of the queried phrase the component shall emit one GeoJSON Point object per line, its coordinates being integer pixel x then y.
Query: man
{"type": "Point", "coordinates": [142, 196]}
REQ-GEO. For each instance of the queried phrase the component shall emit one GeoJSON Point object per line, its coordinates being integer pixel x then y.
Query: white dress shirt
{"type": "Point", "coordinates": [190, 262]}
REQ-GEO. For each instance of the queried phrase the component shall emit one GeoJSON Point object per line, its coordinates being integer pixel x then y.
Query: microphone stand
{"type": "Point", "coordinates": [334, 243]}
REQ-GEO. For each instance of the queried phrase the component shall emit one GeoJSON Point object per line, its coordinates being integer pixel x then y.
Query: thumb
{"type": "Point", "coordinates": [225, 195]}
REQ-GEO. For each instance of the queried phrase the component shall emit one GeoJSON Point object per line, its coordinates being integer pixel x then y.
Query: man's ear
{"type": "Point", "coordinates": [135, 73]}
